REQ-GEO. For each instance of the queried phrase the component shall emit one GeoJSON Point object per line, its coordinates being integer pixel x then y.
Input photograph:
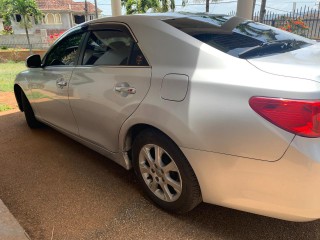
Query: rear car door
{"type": "Point", "coordinates": [109, 85]}
{"type": "Point", "coordinates": [51, 83]}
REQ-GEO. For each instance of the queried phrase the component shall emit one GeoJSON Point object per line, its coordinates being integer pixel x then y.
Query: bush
{"type": "Point", "coordinates": [3, 47]}
{"type": "Point", "coordinates": [7, 30]}
{"type": "Point", "coordinates": [296, 26]}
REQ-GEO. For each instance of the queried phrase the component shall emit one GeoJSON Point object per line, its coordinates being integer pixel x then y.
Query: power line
{"type": "Point", "coordinates": [281, 10]}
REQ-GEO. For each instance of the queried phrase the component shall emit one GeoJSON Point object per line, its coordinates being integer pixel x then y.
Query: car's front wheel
{"type": "Point", "coordinates": [164, 172]}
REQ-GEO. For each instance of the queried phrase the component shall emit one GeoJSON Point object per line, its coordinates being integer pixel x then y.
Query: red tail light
{"type": "Point", "coordinates": [301, 117]}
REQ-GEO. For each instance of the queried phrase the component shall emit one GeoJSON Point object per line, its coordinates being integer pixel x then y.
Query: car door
{"type": "Point", "coordinates": [50, 85]}
{"type": "Point", "coordinates": [109, 85]}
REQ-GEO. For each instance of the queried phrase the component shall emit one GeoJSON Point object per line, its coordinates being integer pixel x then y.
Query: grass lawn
{"type": "Point", "coordinates": [8, 72]}
{"type": "Point", "coordinates": [4, 107]}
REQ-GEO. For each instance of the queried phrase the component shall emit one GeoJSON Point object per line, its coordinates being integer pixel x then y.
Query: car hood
{"type": "Point", "coordinates": [301, 63]}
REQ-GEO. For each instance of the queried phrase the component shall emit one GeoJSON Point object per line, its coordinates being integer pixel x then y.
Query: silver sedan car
{"type": "Point", "coordinates": [203, 107]}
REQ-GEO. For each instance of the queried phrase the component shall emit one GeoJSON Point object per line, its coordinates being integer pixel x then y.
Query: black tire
{"type": "Point", "coordinates": [28, 113]}
{"type": "Point", "coordinates": [160, 179]}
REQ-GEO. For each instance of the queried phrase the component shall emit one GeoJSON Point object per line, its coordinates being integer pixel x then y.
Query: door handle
{"type": "Point", "coordinates": [128, 90]}
{"type": "Point", "coordinates": [124, 89]}
{"type": "Point", "coordinates": [61, 83]}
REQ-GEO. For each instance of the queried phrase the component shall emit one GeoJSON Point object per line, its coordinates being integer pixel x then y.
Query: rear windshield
{"type": "Point", "coordinates": [239, 37]}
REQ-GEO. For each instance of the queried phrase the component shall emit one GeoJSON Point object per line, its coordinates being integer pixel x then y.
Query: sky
{"type": "Point", "coordinates": [224, 6]}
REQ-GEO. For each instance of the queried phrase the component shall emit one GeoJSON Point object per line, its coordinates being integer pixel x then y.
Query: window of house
{"type": "Point", "coordinates": [50, 18]}
{"type": "Point", "coordinates": [65, 52]}
{"type": "Point", "coordinates": [18, 18]}
{"type": "Point", "coordinates": [57, 18]}
{"type": "Point", "coordinates": [79, 19]}
{"type": "Point", "coordinates": [43, 19]}
{"type": "Point", "coordinates": [112, 47]}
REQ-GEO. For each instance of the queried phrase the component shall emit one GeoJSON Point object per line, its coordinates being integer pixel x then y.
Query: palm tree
{"type": "Point", "coordinates": [27, 9]}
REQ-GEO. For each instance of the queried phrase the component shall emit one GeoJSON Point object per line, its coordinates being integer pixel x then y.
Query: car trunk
{"type": "Point", "coordinates": [301, 63]}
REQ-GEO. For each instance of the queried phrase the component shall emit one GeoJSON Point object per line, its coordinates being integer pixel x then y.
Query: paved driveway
{"type": "Point", "coordinates": [59, 189]}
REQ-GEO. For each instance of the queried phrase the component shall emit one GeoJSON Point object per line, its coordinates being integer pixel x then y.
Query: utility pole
{"type": "Point", "coordinates": [262, 10]}
{"type": "Point", "coordinates": [85, 10]}
{"type": "Point", "coordinates": [254, 6]}
{"type": "Point", "coordinates": [96, 8]}
{"type": "Point", "coordinates": [294, 7]}
{"type": "Point", "coordinates": [207, 6]}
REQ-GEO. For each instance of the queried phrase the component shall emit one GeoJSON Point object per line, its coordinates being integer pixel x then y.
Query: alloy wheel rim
{"type": "Point", "coordinates": [160, 173]}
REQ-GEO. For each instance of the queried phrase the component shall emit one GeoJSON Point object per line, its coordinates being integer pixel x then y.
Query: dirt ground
{"type": "Point", "coordinates": [9, 99]}
{"type": "Point", "coordinates": [59, 189]}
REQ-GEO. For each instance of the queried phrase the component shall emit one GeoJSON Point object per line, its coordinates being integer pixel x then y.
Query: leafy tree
{"type": "Point", "coordinates": [142, 6]}
{"type": "Point", "coordinates": [207, 2]}
{"type": "Point", "coordinates": [27, 9]}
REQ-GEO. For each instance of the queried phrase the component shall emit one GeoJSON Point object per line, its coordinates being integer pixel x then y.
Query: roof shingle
{"type": "Point", "coordinates": [65, 5]}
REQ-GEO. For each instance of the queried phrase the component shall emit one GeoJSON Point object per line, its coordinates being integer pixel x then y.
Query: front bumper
{"type": "Point", "coordinates": [287, 189]}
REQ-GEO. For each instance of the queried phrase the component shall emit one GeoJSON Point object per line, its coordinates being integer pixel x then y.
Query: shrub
{"type": "Point", "coordinates": [7, 30]}
{"type": "Point", "coordinates": [53, 37]}
{"type": "Point", "coordinates": [296, 26]}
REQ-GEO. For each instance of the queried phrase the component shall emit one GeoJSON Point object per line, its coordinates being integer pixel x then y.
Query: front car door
{"type": "Point", "coordinates": [109, 85]}
{"type": "Point", "coordinates": [50, 85]}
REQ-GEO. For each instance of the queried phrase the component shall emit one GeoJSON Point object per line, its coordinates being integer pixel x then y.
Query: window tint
{"type": "Point", "coordinates": [65, 52]}
{"type": "Point", "coordinates": [236, 36]}
{"type": "Point", "coordinates": [112, 47]}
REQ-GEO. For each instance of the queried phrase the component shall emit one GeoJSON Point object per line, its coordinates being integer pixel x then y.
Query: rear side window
{"type": "Point", "coordinates": [113, 48]}
{"type": "Point", "coordinates": [238, 37]}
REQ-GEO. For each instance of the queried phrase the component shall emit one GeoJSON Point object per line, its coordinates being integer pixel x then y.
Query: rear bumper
{"type": "Point", "coordinates": [288, 189]}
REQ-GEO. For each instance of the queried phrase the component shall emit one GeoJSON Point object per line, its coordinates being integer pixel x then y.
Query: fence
{"type": "Point", "coordinates": [311, 18]}
{"type": "Point", "coordinates": [20, 41]}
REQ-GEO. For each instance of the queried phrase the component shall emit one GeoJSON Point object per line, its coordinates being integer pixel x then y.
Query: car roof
{"type": "Point", "coordinates": [155, 16]}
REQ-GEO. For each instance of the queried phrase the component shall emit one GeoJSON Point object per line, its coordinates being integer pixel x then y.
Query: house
{"type": "Point", "coordinates": [58, 16]}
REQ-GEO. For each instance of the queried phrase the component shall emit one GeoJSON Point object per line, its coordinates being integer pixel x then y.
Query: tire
{"type": "Point", "coordinates": [28, 113]}
{"type": "Point", "coordinates": [168, 180]}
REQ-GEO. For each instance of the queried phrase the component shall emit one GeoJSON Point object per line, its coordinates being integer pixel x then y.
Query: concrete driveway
{"type": "Point", "coordinates": [59, 189]}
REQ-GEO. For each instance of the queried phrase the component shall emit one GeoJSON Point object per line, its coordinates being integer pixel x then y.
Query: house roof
{"type": "Point", "coordinates": [65, 5]}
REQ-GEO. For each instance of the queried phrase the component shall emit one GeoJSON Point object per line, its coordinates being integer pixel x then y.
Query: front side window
{"type": "Point", "coordinates": [64, 52]}
{"type": "Point", "coordinates": [112, 47]}
{"type": "Point", "coordinates": [238, 37]}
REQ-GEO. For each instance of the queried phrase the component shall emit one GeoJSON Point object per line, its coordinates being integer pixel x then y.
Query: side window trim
{"type": "Point", "coordinates": [77, 57]}
{"type": "Point", "coordinates": [121, 27]}
{"type": "Point", "coordinates": [83, 46]}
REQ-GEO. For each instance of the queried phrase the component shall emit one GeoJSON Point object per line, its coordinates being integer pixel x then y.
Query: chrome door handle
{"type": "Point", "coordinates": [128, 90]}
{"type": "Point", "coordinates": [61, 83]}
{"type": "Point", "coordinates": [124, 89]}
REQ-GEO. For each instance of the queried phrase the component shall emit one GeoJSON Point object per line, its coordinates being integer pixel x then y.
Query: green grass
{"type": "Point", "coordinates": [4, 107]}
{"type": "Point", "coordinates": [8, 72]}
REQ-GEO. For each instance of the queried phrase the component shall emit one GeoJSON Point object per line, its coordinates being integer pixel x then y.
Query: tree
{"type": "Point", "coordinates": [142, 6]}
{"type": "Point", "coordinates": [207, 2]}
{"type": "Point", "coordinates": [27, 9]}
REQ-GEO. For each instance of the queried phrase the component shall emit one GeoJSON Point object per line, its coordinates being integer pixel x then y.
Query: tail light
{"type": "Point", "coordinates": [301, 117]}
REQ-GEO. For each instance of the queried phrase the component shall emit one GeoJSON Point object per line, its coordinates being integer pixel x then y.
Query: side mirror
{"type": "Point", "coordinates": [33, 61]}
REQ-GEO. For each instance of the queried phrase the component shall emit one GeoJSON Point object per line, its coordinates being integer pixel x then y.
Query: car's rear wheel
{"type": "Point", "coordinates": [28, 113]}
{"type": "Point", "coordinates": [164, 172]}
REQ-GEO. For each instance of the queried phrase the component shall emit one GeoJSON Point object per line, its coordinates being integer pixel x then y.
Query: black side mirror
{"type": "Point", "coordinates": [33, 61]}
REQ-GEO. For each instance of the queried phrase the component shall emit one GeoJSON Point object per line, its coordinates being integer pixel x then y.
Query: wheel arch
{"type": "Point", "coordinates": [128, 137]}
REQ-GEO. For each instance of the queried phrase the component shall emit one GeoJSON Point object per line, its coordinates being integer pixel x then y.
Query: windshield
{"type": "Point", "coordinates": [235, 36]}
